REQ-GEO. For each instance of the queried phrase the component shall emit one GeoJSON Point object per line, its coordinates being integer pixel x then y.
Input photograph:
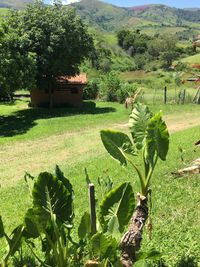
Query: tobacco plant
{"type": "Point", "coordinates": [150, 141]}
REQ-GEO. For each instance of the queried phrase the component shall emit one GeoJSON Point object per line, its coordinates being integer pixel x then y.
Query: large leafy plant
{"type": "Point", "coordinates": [48, 225]}
{"type": "Point", "coordinates": [150, 141]}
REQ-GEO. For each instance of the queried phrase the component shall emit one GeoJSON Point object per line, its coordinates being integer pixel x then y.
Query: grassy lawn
{"type": "Point", "coordinates": [192, 59]}
{"type": "Point", "coordinates": [34, 140]}
{"type": "Point", "coordinates": [20, 123]}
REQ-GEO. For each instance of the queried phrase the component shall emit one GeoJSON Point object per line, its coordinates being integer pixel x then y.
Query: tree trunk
{"type": "Point", "coordinates": [131, 240]}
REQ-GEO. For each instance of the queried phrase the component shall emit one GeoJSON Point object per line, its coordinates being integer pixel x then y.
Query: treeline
{"type": "Point", "coordinates": [155, 52]}
{"type": "Point", "coordinates": [137, 51]}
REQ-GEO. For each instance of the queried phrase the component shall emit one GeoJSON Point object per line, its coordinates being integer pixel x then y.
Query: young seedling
{"type": "Point", "coordinates": [150, 140]}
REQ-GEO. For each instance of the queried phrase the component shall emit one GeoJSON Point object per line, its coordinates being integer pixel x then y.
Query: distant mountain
{"type": "Point", "coordinates": [107, 17]}
{"type": "Point", "coordinates": [14, 3]}
{"type": "Point", "coordinates": [102, 15]}
{"type": "Point", "coordinates": [166, 13]}
{"type": "Point", "coordinates": [110, 18]}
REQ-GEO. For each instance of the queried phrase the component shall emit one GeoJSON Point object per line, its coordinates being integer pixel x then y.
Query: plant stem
{"type": "Point", "coordinates": [142, 181]}
{"type": "Point", "coordinates": [150, 173]}
{"type": "Point", "coordinates": [131, 240]}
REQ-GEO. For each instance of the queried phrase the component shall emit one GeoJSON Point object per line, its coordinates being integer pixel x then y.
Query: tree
{"type": "Point", "coordinates": [169, 53]}
{"type": "Point", "coordinates": [17, 66]}
{"type": "Point", "coordinates": [57, 37]}
{"type": "Point", "coordinates": [133, 42]}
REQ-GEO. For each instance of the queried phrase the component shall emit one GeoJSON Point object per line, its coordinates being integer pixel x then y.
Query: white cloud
{"type": "Point", "coordinates": [64, 2]}
{"type": "Point", "coordinates": [67, 2]}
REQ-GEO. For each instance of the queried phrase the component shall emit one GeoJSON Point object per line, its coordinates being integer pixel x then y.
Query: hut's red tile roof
{"type": "Point", "coordinates": [78, 79]}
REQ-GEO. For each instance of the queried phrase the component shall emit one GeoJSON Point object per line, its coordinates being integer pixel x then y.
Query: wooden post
{"type": "Point", "coordinates": [184, 93]}
{"type": "Point", "coordinates": [92, 208]}
{"type": "Point", "coordinates": [165, 95]}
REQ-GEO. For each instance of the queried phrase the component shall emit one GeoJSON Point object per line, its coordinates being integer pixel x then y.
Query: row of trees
{"type": "Point", "coordinates": [40, 44]}
{"type": "Point", "coordinates": [145, 48]}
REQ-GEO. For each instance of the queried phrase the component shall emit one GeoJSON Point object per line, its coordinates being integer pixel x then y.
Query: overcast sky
{"type": "Point", "coordinates": [126, 3]}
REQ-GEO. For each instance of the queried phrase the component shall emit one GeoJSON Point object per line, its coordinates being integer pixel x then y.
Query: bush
{"type": "Point", "coordinates": [123, 63]}
{"type": "Point", "coordinates": [140, 61]}
{"type": "Point", "coordinates": [181, 66]}
{"type": "Point", "coordinates": [112, 88]}
{"type": "Point", "coordinates": [91, 90]}
{"type": "Point", "coordinates": [109, 86]}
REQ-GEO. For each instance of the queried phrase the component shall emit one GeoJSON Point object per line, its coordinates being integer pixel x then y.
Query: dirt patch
{"type": "Point", "coordinates": [182, 122]}
{"type": "Point", "coordinates": [174, 123]}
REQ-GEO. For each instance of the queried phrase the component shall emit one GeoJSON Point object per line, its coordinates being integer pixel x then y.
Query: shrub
{"type": "Point", "coordinates": [91, 90]}
{"type": "Point", "coordinates": [181, 66]}
{"type": "Point", "coordinates": [140, 61]}
{"type": "Point", "coordinates": [109, 86]}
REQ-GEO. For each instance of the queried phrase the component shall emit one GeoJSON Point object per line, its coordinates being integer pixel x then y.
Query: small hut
{"type": "Point", "coordinates": [67, 92]}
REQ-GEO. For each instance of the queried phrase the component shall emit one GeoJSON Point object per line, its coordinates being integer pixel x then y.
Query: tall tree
{"type": "Point", "coordinates": [57, 37]}
{"type": "Point", "coordinates": [17, 66]}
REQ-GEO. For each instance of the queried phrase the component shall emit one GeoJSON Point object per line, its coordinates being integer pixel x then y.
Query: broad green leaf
{"type": "Point", "coordinates": [138, 123]}
{"type": "Point", "coordinates": [143, 258]}
{"type": "Point", "coordinates": [51, 196]}
{"type": "Point", "coordinates": [117, 143]}
{"type": "Point", "coordinates": [1, 228]}
{"type": "Point", "coordinates": [32, 224]}
{"type": "Point", "coordinates": [150, 255]}
{"type": "Point", "coordinates": [113, 227]}
{"type": "Point", "coordinates": [104, 246]}
{"type": "Point", "coordinates": [87, 178]}
{"type": "Point", "coordinates": [29, 179]}
{"type": "Point", "coordinates": [140, 263]}
{"type": "Point", "coordinates": [157, 139]}
{"type": "Point", "coordinates": [117, 208]}
{"type": "Point", "coordinates": [60, 175]}
{"type": "Point", "coordinates": [14, 241]}
{"type": "Point", "coordinates": [85, 226]}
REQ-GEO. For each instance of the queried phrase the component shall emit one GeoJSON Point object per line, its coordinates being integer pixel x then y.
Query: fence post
{"type": "Point", "coordinates": [165, 95]}
{"type": "Point", "coordinates": [92, 208]}
{"type": "Point", "coordinates": [184, 93]}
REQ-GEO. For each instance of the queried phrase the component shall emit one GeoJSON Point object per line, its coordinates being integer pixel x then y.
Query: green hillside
{"type": "Point", "coordinates": [160, 14]}
{"type": "Point", "coordinates": [195, 59]}
{"type": "Point", "coordinates": [149, 18]}
{"type": "Point", "coordinates": [102, 15]}
{"type": "Point", "coordinates": [167, 15]}
{"type": "Point", "coordinates": [14, 3]}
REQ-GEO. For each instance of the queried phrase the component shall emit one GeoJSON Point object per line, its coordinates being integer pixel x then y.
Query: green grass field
{"type": "Point", "coordinates": [153, 83]}
{"type": "Point", "coordinates": [192, 59]}
{"type": "Point", "coordinates": [34, 140]}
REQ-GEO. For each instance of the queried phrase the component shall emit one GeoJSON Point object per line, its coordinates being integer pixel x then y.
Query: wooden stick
{"type": "Point", "coordinates": [92, 208]}
{"type": "Point", "coordinates": [165, 95]}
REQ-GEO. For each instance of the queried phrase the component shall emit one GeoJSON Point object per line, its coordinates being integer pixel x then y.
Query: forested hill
{"type": "Point", "coordinates": [108, 17]}
{"type": "Point", "coordinates": [14, 3]}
